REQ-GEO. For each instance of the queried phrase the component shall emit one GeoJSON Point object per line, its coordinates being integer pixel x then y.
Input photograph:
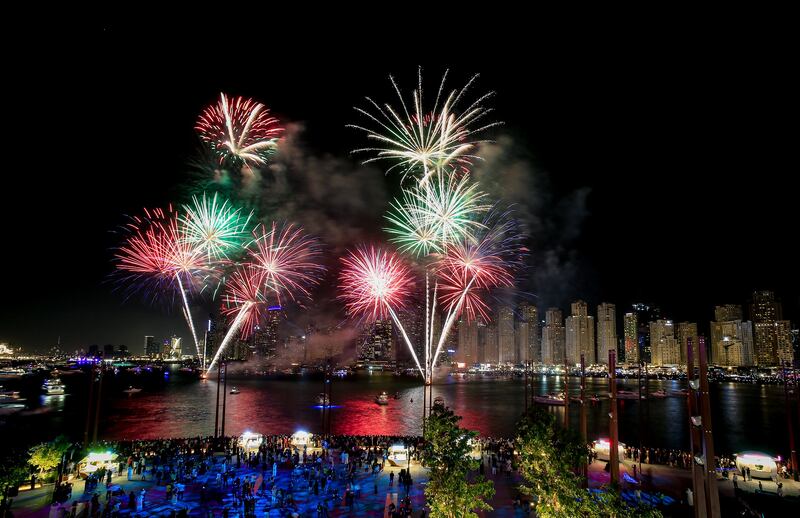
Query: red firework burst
{"type": "Point", "coordinates": [374, 282]}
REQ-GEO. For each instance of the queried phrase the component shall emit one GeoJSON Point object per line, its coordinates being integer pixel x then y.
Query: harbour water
{"type": "Point", "coordinates": [746, 416]}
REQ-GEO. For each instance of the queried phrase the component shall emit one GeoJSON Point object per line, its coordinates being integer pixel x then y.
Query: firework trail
{"type": "Point", "coordinates": [375, 284]}
{"type": "Point", "coordinates": [469, 269]}
{"type": "Point", "coordinates": [239, 129]}
{"type": "Point", "coordinates": [424, 142]}
{"type": "Point", "coordinates": [282, 263]}
{"type": "Point", "coordinates": [158, 259]}
{"type": "Point", "coordinates": [214, 226]}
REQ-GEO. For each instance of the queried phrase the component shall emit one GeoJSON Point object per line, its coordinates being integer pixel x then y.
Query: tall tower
{"type": "Point", "coordinates": [490, 345]}
{"type": "Point", "coordinates": [731, 338]}
{"type": "Point", "coordinates": [528, 338]}
{"type": "Point", "coordinates": [664, 345]}
{"type": "Point", "coordinates": [683, 333]}
{"type": "Point", "coordinates": [505, 335]}
{"type": "Point", "coordinates": [606, 331]}
{"type": "Point", "coordinates": [630, 326]}
{"type": "Point", "coordinates": [580, 334]}
{"type": "Point", "coordinates": [645, 314]}
{"type": "Point", "coordinates": [553, 338]}
{"type": "Point", "coordinates": [773, 339]}
{"type": "Point", "coordinates": [467, 350]}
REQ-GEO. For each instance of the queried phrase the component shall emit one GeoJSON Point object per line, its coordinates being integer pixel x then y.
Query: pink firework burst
{"type": "Point", "coordinates": [157, 259]}
{"type": "Point", "coordinates": [374, 282]}
{"type": "Point", "coordinates": [288, 260]}
{"type": "Point", "coordinates": [469, 269]}
{"type": "Point", "coordinates": [239, 128]}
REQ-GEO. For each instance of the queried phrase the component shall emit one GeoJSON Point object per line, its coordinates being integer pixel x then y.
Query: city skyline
{"type": "Point", "coordinates": [593, 174]}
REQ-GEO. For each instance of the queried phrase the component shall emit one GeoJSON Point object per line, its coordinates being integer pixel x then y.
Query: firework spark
{"type": "Point", "coordinates": [240, 129]}
{"type": "Point", "coordinates": [424, 142]}
{"type": "Point", "coordinates": [288, 260]}
{"type": "Point", "coordinates": [373, 281]}
{"type": "Point", "coordinates": [157, 259]}
{"type": "Point", "coordinates": [214, 226]}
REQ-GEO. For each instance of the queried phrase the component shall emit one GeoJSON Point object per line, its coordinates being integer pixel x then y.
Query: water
{"type": "Point", "coordinates": [745, 416]}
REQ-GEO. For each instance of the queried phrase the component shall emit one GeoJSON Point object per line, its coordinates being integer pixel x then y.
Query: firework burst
{"type": "Point", "coordinates": [421, 141]}
{"type": "Point", "coordinates": [214, 226]}
{"type": "Point", "coordinates": [288, 260]}
{"type": "Point", "coordinates": [374, 283]}
{"type": "Point", "coordinates": [429, 218]}
{"type": "Point", "coordinates": [240, 129]}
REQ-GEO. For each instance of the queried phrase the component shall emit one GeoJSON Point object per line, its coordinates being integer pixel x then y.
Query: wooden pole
{"type": "Point", "coordinates": [695, 436]}
{"type": "Point", "coordinates": [613, 441]}
{"type": "Point", "coordinates": [712, 493]}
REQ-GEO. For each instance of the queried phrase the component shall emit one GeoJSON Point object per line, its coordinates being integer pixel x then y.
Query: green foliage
{"type": "Point", "coordinates": [47, 455]}
{"type": "Point", "coordinates": [549, 458]}
{"type": "Point", "coordinates": [13, 469]}
{"type": "Point", "coordinates": [452, 491]}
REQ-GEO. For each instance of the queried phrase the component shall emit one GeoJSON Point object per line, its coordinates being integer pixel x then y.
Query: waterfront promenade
{"type": "Point", "coordinates": [373, 493]}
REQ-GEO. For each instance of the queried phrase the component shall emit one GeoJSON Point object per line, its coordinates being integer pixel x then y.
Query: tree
{"type": "Point", "coordinates": [13, 470]}
{"type": "Point", "coordinates": [549, 457]}
{"type": "Point", "coordinates": [450, 493]}
{"type": "Point", "coordinates": [47, 455]}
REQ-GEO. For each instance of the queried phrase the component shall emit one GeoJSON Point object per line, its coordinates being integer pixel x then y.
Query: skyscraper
{"type": "Point", "coordinates": [732, 343]}
{"type": "Point", "coordinates": [467, 350]}
{"type": "Point", "coordinates": [606, 331]}
{"type": "Point", "coordinates": [645, 313]}
{"type": "Point", "coordinates": [683, 333]}
{"type": "Point", "coordinates": [630, 326]}
{"type": "Point", "coordinates": [728, 312]}
{"type": "Point", "coordinates": [490, 345]}
{"type": "Point", "coordinates": [151, 348]}
{"type": "Point", "coordinates": [505, 335]}
{"type": "Point", "coordinates": [580, 334]}
{"type": "Point", "coordinates": [773, 340]}
{"type": "Point", "coordinates": [664, 345]}
{"type": "Point", "coordinates": [553, 338]}
{"type": "Point", "coordinates": [375, 343]}
{"type": "Point", "coordinates": [528, 337]}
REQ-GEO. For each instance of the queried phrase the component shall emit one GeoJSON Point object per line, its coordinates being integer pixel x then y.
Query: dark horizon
{"type": "Point", "coordinates": [648, 185]}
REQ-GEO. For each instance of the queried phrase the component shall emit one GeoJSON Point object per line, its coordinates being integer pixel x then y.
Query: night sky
{"type": "Point", "coordinates": [649, 182]}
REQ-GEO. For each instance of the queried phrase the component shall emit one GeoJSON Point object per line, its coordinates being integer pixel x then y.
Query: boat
{"type": "Point", "coordinates": [53, 387]}
{"type": "Point", "coordinates": [382, 398]}
{"type": "Point", "coordinates": [661, 393]}
{"type": "Point", "coordinates": [235, 390]}
{"type": "Point", "coordinates": [397, 395]}
{"type": "Point", "coordinates": [628, 394]}
{"type": "Point", "coordinates": [323, 399]}
{"type": "Point", "coordinates": [679, 392]}
{"type": "Point", "coordinates": [12, 372]}
{"type": "Point", "coordinates": [132, 390]}
{"type": "Point", "coordinates": [11, 408]}
{"type": "Point", "coordinates": [550, 399]}
{"type": "Point", "coordinates": [9, 396]}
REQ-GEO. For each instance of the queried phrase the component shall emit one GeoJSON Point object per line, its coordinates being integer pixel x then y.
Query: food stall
{"type": "Point", "coordinates": [95, 461]}
{"type": "Point", "coordinates": [398, 455]}
{"type": "Point", "coordinates": [602, 449]}
{"type": "Point", "coordinates": [761, 465]}
{"type": "Point", "coordinates": [250, 441]}
{"type": "Point", "coordinates": [301, 439]}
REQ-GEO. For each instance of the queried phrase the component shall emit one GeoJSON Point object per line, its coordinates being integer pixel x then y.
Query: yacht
{"type": "Point", "coordinates": [53, 387]}
{"type": "Point", "coordinates": [629, 394]}
{"type": "Point", "coordinates": [235, 390]}
{"type": "Point", "coordinates": [551, 399]}
{"type": "Point", "coordinates": [132, 390]}
{"type": "Point", "coordinates": [323, 399]}
{"type": "Point", "coordinates": [382, 398]}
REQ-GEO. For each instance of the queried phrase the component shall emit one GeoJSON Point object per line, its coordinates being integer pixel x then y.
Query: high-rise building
{"type": "Point", "coordinates": [553, 338]}
{"type": "Point", "coordinates": [481, 355]}
{"type": "Point", "coordinates": [728, 312]}
{"type": "Point", "coordinates": [467, 350]}
{"type": "Point", "coordinates": [528, 339]}
{"type": "Point", "coordinates": [490, 344]}
{"type": "Point", "coordinates": [175, 347]}
{"type": "Point", "coordinates": [630, 331]}
{"type": "Point", "coordinates": [684, 332]}
{"type": "Point", "coordinates": [664, 345]}
{"type": "Point", "coordinates": [151, 349]}
{"type": "Point", "coordinates": [505, 335]}
{"type": "Point", "coordinates": [580, 334]}
{"type": "Point", "coordinates": [376, 342]}
{"type": "Point", "coordinates": [645, 313]}
{"type": "Point", "coordinates": [606, 331]}
{"type": "Point", "coordinates": [732, 342]}
{"type": "Point", "coordinates": [773, 338]}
